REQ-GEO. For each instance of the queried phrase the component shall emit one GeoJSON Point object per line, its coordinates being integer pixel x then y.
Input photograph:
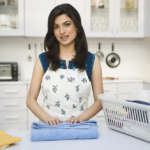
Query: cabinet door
{"type": "Point", "coordinates": [36, 14]}
{"type": "Point", "coordinates": [130, 20]}
{"type": "Point", "coordinates": [110, 87]}
{"type": "Point", "coordinates": [82, 8]}
{"type": "Point", "coordinates": [101, 18]}
{"type": "Point", "coordinates": [118, 18]}
{"type": "Point", "coordinates": [129, 90]}
{"type": "Point", "coordinates": [11, 17]}
{"type": "Point", "coordinates": [36, 17]}
{"type": "Point", "coordinates": [129, 86]}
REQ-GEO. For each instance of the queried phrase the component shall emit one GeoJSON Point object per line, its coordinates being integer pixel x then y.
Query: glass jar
{"type": "Point", "coordinates": [130, 4]}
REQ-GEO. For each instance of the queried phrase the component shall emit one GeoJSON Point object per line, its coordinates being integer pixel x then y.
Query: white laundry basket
{"type": "Point", "coordinates": [125, 116]}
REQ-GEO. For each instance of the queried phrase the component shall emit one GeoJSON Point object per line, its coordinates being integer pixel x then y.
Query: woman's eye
{"type": "Point", "coordinates": [55, 26]}
{"type": "Point", "coordinates": [67, 23]}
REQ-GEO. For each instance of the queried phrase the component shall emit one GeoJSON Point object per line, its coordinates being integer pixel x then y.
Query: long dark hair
{"type": "Point", "coordinates": [51, 45]}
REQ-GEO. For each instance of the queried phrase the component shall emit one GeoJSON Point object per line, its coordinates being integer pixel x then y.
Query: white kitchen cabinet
{"type": "Point", "coordinates": [118, 18]}
{"type": "Point", "coordinates": [36, 14]}
{"type": "Point", "coordinates": [121, 86]}
{"type": "Point", "coordinates": [12, 18]}
{"type": "Point", "coordinates": [13, 111]}
{"type": "Point", "coordinates": [109, 87]}
{"type": "Point", "coordinates": [129, 86]}
{"type": "Point", "coordinates": [130, 89]}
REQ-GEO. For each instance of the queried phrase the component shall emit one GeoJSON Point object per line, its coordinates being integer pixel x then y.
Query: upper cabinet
{"type": "Point", "coordinates": [100, 18]}
{"type": "Point", "coordinates": [36, 14]}
{"type": "Point", "coordinates": [11, 17]}
{"type": "Point", "coordinates": [118, 18]}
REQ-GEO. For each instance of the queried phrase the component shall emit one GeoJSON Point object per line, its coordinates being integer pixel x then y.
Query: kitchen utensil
{"type": "Point", "coordinates": [113, 59]}
{"type": "Point", "coordinates": [99, 53]}
{"type": "Point", "coordinates": [29, 52]}
{"type": "Point", "coordinates": [35, 51]}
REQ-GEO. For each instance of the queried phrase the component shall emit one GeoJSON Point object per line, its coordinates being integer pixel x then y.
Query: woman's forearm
{"type": "Point", "coordinates": [37, 110]}
{"type": "Point", "coordinates": [91, 111]}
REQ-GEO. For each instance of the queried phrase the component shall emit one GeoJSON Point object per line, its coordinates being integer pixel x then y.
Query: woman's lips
{"type": "Point", "coordinates": [64, 38]}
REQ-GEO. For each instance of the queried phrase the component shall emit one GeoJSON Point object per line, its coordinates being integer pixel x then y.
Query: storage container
{"type": "Point", "coordinates": [128, 112]}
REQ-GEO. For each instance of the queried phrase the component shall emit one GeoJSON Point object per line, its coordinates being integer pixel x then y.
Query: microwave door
{"type": "Point", "coordinates": [5, 72]}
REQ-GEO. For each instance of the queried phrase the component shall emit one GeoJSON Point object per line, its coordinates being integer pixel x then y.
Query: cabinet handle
{"type": "Point", "coordinates": [11, 117]}
{"type": "Point", "coordinates": [11, 91]}
{"type": "Point", "coordinates": [9, 105]}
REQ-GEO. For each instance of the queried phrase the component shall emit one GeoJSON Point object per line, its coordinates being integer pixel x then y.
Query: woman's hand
{"type": "Point", "coordinates": [74, 120]}
{"type": "Point", "coordinates": [52, 120]}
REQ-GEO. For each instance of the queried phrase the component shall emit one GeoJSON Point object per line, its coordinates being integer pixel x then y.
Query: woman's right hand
{"type": "Point", "coordinates": [52, 120]}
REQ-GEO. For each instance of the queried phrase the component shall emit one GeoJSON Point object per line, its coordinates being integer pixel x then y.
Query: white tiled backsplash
{"type": "Point", "coordinates": [134, 53]}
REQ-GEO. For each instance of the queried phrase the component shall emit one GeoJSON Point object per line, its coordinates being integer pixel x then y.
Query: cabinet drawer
{"type": "Point", "coordinates": [13, 117]}
{"type": "Point", "coordinates": [17, 90]}
{"type": "Point", "coordinates": [122, 87]}
{"type": "Point", "coordinates": [109, 87]}
{"type": "Point", "coordinates": [12, 104]}
{"type": "Point", "coordinates": [13, 126]}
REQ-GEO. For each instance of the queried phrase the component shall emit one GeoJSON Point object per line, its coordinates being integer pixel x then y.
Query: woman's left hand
{"type": "Point", "coordinates": [74, 120]}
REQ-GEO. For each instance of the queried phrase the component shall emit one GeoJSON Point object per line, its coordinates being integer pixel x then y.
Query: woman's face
{"type": "Point", "coordinates": [64, 30]}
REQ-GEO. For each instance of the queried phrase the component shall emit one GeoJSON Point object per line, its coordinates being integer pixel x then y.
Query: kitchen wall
{"type": "Point", "coordinates": [134, 53]}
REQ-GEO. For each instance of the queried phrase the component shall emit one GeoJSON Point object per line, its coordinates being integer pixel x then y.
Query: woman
{"type": "Point", "coordinates": [65, 72]}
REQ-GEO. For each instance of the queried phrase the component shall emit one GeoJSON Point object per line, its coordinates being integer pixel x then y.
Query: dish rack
{"type": "Point", "coordinates": [124, 115]}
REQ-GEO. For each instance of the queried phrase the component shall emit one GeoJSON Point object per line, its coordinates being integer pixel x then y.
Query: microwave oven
{"type": "Point", "coordinates": [8, 71]}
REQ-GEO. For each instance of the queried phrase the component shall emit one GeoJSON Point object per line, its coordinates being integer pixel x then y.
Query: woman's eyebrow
{"type": "Point", "coordinates": [66, 21]}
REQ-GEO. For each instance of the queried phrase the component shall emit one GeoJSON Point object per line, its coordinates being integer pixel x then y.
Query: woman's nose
{"type": "Point", "coordinates": [61, 30]}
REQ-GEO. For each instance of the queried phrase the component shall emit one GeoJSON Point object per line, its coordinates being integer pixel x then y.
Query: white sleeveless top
{"type": "Point", "coordinates": [65, 92]}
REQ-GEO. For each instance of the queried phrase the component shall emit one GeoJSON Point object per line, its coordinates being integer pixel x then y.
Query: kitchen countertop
{"type": "Point", "coordinates": [108, 140]}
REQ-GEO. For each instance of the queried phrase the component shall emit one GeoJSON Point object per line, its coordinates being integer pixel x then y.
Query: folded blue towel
{"type": "Point", "coordinates": [64, 131]}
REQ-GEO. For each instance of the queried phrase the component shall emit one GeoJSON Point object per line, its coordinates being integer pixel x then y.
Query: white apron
{"type": "Point", "coordinates": [65, 92]}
